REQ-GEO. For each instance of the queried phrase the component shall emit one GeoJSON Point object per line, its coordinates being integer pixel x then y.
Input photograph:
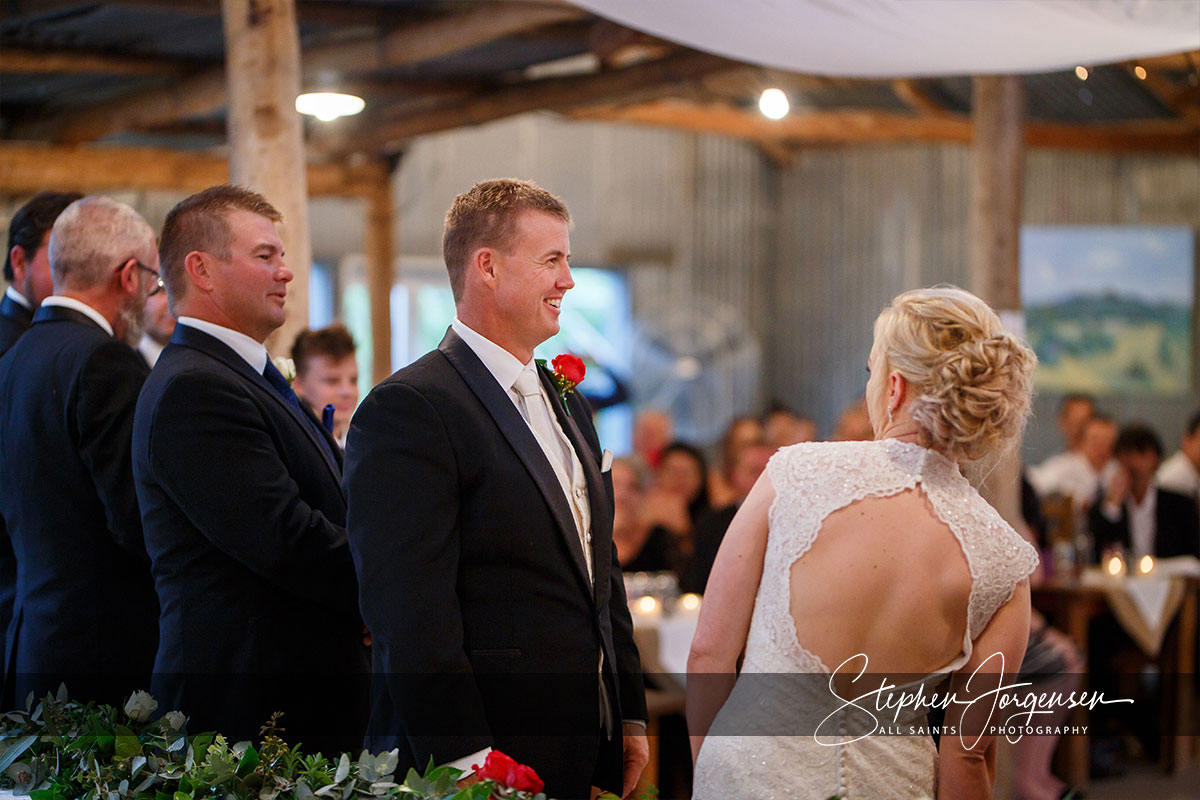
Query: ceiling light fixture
{"type": "Point", "coordinates": [773, 104]}
{"type": "Point", "coordinates": [327, 106]}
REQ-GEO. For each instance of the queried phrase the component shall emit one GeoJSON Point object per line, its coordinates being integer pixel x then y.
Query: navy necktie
{"type": "Point", "coordinates": [281, 385]}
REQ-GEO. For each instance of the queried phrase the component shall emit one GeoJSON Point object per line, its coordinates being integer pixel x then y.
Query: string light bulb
{"type": "Point", "coordinates": [1081, 72]}
{"type": "Point", "coordinates": [1140, 71]}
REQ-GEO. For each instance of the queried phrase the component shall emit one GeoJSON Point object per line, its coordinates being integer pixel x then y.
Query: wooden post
{"type": "Point", "coordinates": [266, 137]}
{"type": "Point", "coordinates": [380, 250]}
{"type": "Point", "coordinates": [998, 166]}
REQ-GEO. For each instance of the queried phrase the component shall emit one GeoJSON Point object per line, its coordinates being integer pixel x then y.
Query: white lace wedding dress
{"type": "Point", "coordinates": [762, 744]}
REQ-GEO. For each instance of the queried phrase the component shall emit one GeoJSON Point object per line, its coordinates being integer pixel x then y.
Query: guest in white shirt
{"type": "Point", "coordinates": [1082, 473]}
{"type": "Point", "coordinates": [158, 323]}
{"type": "Point", "coordinates": [1181, 472]}
{"type": "Point", "coordinates": [1135, 514]}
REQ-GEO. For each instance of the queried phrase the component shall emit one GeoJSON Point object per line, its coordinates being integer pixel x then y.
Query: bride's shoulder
{"type": "Point", "coordinates": [808, 457]}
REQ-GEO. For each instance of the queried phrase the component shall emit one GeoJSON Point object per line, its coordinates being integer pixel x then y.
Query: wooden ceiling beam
{"type": "Point", "coordinates": [636, 83]}
{"type": "Point", "coordinates": [204, 92]}
{"type": "Point", "coordinates": [853, 127]}
{"type": "Point", "coordinates": [28, 167]}
{"type": "Point", "coordinates": [1180, 101]}
{"type": "Point", "coordinates": [44, 61]}
{"type": "Point", "coordinates": [916, 97]}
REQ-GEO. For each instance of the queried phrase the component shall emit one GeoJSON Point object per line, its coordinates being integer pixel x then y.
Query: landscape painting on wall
{"type": "Point", "coordinates": [1109, 309]}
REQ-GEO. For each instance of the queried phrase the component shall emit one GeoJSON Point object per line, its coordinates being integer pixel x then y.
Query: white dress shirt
{"type": "Point", "coordinates": [150, 348]}
{"type": "Point", "coordinates": [18, 298]}
{"type": "Point", "coordinates": [254, 353]}
{"type": "Point", "coordinates": [1179, 474]}
{"type": "Point", "coordinates": [1072, 475]}
{"type": "Point", "coordinates": [82, 308]}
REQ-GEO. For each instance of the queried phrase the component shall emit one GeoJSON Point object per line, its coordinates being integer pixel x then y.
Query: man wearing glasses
{"type": "Point", "coordinates": [85, 612]}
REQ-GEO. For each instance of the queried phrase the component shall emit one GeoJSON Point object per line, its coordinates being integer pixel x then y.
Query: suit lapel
{"type": "Point", "coordinates": [188, 336]}
{"type": "Point", "coordinates": [514, 428]}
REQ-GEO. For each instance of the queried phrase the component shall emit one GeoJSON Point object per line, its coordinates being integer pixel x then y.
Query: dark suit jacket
{"type": "Point", "coordinates": [15, 319]}
{"type": "Point", "coordinates": [243, 513]}
{"type": "Point", "coordinates": [473, 580]}
{"type": "Point", "coordinates": [85, 609]}
{"type": "Point", "coordinates": [1176, 527]}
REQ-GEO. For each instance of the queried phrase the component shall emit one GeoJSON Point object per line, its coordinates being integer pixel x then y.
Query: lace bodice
{"type": "Point", "coordinates": [814, 480]}
{"type": "Point", "coordinates": [753, 749]}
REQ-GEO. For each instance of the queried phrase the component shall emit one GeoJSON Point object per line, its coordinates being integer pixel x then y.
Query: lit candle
{"type": "Point", "coordinates": [1116, 565]}
{"type": "Point", "coordinates": [647, 608]}
{"type": "Point", "coordinates": [690, 602]}
{"type": "Point", "coordinates": [1146, 565]}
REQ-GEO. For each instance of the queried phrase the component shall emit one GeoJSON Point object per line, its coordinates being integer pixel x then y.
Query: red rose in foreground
{"type": "Point", "coordinates": [505, 771]}
{"type": "Point", "coordinates": [570, 367]}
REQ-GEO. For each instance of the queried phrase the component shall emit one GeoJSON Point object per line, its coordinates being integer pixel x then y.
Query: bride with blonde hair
{"type": "Point", "coordinates": [855, 561]}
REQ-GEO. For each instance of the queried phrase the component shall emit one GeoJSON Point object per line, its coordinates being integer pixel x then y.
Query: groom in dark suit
{"type": "Point", "coordinates": [241, 497]}
{"type": "Point", "coordinates": [481, 526]}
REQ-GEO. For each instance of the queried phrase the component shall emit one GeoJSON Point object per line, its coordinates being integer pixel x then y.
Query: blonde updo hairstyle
{"type": "Point", "coordinates": [970, 381]}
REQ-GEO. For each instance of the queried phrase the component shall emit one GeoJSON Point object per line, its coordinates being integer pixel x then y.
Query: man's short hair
{"type": "Point", "coordinates": [200, 222]}
{"type": "Point", "coordinates": [92, 237]}
{"type": "Point", "coordinates": [31, 222]}
{"type": "Point", "coordinates": [1077, 397]}
{"type": "Point", "coordinates": [486, 216]}
{"type": "Point", "coordinates": [334, 342]}
{"type": "Point", "coordinates": [1138, 438]}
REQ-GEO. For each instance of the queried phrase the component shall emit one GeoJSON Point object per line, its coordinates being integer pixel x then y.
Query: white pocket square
{"type": "Point", "coordinates": [606, 461]}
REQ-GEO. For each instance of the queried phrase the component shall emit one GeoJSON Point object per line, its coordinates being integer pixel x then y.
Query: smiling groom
{"type": "Point", "coordinates": [480, 519]}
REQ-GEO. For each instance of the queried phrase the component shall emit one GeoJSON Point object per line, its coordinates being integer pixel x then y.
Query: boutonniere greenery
{"type": "Point", "coordinates": [568, 371]}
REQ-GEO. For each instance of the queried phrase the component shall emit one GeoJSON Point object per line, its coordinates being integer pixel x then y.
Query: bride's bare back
{"type": "Point", "coordinates": [885, 577]}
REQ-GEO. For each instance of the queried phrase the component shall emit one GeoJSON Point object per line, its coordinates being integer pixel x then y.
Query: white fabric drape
{"type": "Point", "coordinates": [882, 38]}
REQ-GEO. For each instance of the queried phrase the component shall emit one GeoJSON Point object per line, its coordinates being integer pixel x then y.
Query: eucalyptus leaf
{"type": "Point", "coordinates": [343, 769]}
{"type": "Point", "coordinates": [386, 763]}
{"type": "Point", "coordinates": [135, 765]}
{"type": "Point", "coordinates": [15, 750]}
{"type": "Point", "coordinates": [146, 784]}
{"type": "Point", "coordinates": [123, 787]}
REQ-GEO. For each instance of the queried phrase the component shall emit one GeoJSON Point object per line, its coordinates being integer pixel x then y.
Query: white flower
{"type": "Point", "coordinates": [175, 719]}
{"type": "Point", "coordinates": [286, 367]}
{"type": "Point", "coordinates": [140, 706]}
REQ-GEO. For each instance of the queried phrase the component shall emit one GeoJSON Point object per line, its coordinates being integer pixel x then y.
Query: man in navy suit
{"type": "Point", "coordinates": [27, 270]}
{"type": "Point", "coordinates": [241, 497]}
{"type": "Point", "coordinates": [85, 610]}
{"type": "Point", "coordinates": [481, 525]}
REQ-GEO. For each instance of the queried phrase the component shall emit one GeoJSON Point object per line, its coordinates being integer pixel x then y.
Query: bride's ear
{"type": "Point", "coordinates": [897, 391]}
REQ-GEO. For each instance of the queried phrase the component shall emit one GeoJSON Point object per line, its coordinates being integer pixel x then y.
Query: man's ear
{"type": "Point", "coordinates": [483, 261]}
{"type": "Point", "coordinates": [16, 257]}
{"type": "Point", "coordinates": [128, 277]}
{"type": "Point", "coordinates": [196, 265]}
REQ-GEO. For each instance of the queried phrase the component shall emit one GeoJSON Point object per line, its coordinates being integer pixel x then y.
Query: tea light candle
{"type": "Point", "coordinates": [690, 602]}
{"type": "Point", "coordinates": [1115, 566]}
{"type": "Point", "coordinates": [647, 608]}
{"type": "Point", "coordinates": [1146, 565]}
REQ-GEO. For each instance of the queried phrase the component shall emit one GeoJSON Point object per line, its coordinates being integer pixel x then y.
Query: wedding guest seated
{"type": "Point", "coordinates": [327, 375]}
{"type": "Point", "coordinates": [641, 546]}
{"type": "Point", "coordinates": [652, 432]}
{"type": "Point", "coordinates": [1074, 411]}
{"type": "Point", "coordinates": [1135, 513]}
{"type": "Point", "coordinates": [157, 326]}
{"type": "Point", "coordinates": [1181, 472]}
{"type": "Point", "coordinates": [854, 425]}
{"type": "Point", "coordinates": [1082, 473]}
{"type": "Point", "coordinates": [679, 494]}
{"type": "Point", "coordinates": [782, 426]}
{"type": "Point", "coordinates": [748, 464]}
{"type": "Point", "coordinates": [740, 432]}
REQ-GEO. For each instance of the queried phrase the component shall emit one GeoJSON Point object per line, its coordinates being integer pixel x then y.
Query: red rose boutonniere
{"type": "Point", "coordinates": [568, 373]}
{"type": "Point", "coordinates": [505, 771]}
